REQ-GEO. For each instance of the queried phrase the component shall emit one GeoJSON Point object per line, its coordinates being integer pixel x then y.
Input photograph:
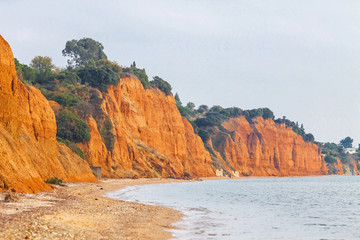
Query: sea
{"type": "Point", "coordinates": [326, 207]}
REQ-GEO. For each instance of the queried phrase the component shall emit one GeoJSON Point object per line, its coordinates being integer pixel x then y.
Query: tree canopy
{"type": "Point", "coordinates": [82, 51]}
{"type": "Point", "coordinates": [141, 75]}
{"type": "Point", "coordinates": [161, 84]}
{"type": "Point", "coordinates": [98, 74]}
{"type": "Point", "coordinates": [39, 63]}
{"type": "Point", "coordinates": [347, 142]}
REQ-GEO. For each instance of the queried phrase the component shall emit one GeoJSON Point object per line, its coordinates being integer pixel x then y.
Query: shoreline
{"type": "Point", "coordinates": [82, 211]}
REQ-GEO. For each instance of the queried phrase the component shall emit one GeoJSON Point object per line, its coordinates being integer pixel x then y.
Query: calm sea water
{"type": "Point", "coordinates": [268, 208]}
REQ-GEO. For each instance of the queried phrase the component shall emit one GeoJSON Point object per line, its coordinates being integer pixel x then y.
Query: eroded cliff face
{"type": "Point", "coordinates": [151, 139]}
{"type": "Point", "coordinates": [29, 152]}
{"type": "Point", "coordinates": [148, 138]}
{"type": "Point", "coordinates": [264, 148]}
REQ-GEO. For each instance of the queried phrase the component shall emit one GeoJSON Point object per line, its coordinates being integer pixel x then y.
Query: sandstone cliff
{"type": "Point", "coordinates": [135, 132]}
{"type": "Point", "coordinates": [29, 152]}
{"type": "Point", "coordinates": [264, 148]}
{"type": "Point", "coordinates": [151, 139]}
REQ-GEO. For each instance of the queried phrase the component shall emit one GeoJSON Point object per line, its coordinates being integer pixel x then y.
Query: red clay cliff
{"type": "Point", "coordinates": [29, 152]}
{"type": "Point", "coordinates": [151, 139]}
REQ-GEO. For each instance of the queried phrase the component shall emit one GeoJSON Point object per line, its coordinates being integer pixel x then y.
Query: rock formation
{"type": "Point", "coordinates": [151, 139]}
{"type": "Point", "coordinates": [29, 152]}
{"type": "Point", "coordinates": [264, 148]}
{"type": "Point", "coordinates": [135, 132]}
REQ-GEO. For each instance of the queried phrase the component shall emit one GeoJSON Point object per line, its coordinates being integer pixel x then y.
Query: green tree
{"type": "Point", "coordinates": [347, 142]}
{"type": "Point", "coordinates": [177, 98]}
{"type": "Point", "coordinates": [267, 114]}
{"type": "Point", "coordinates": [161, 84]}
{"type": "Point", "coordinates": [191, 106]}
{"type": "Point", "coordinates": [66, 99]}
{"type": "Point", "coordinates": [215, 109]}
{"type": "Point", "coordinates": [67, 77]}
{"type": "Point", "coordinates": [71, 127]}
{"type": "Point", "coordinates": [141, 75]}
{"type": "Point", "coordinates": [18, 69]}
{"type": "Point", "coordinates": [203, 109]}
{"type": "Point", "coordinates": [82, 51]}
{"type": "Point", "coordinates": [40, 63]}
{"type": "Point", "coordinates": [44, 76]}
{"type": "Point", "coordinates": [98, 75]}
{"type": "Point", "coordinates": [330, 159]}
{"type": "Point", "coordinates": [309, 137]}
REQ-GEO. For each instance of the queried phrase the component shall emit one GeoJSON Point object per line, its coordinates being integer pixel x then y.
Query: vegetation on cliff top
{"type": "Point", "coordinates": [333, 151]}
{"type": "Point", "coordinates": [79, 88]}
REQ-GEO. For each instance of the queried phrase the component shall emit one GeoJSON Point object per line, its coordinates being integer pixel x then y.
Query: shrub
{"type": "Point", "coordinates": [98, 75]}
{"type": "Point", "coordinates": [308, 137]}
{"type": "Point", "coordinates": [204, 135]}
{"type": "Point", "coordinates": [207, 122]}
{"type": "Point", "coordinates": [44, 76]}
{"type": "Point", "coordinates": [66, 99]}
{"type": "Point", "coordinates": [330, 159]}
{"type": "Point", "coordinates": [141, 75]}
{"type": "Point", "coordinates": [67, 77]}
{"type": "Point", "coordinates": [231, 112]}
{"type": "Point", "coordinates": [55, 181]}
{"type": "Point", "coordinates": [71, 127]}
{"type": "Point", "coordinates": [84, 110]}
{"type": "Point", "coordinates": [107, 135]}
{"type": "Point", "coordinates": [203, 109]}
{"type": "Point", "coordinates": [161, 84]}
{"type": "Point", "coordinates": [215, 109]}
{"type": "Point", "coordinates": [268, 114]}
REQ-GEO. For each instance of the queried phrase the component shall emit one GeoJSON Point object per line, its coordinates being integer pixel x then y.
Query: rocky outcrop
{"type": "Point", "coordinates": [29, 152]}
{"type": "Point", "coordinates": [135, 132]}
{"type": "Point", "coordinates": [151, 139]}
{"type": "Point", "coordinates": [264, 148]}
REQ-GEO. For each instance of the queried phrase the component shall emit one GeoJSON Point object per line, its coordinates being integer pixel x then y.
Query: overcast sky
{"type": "Point", "coordinates": [300, 58]}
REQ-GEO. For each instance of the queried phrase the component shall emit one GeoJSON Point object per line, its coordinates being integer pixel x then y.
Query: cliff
{"type": "Point", "coordinates": [135, 132]}
{"type": "Point", "coordinates": [151, 139]}
{"type": "Point", "coordinates": [264, 148]}
{"type": "Point", "coordinates": [29, 152]}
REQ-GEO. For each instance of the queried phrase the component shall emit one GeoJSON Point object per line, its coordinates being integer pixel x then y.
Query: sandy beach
{"type": "Point", "coordinates": [81, 211]}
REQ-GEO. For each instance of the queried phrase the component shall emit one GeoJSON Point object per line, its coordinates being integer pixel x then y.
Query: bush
{"type": "Point", "coordinates": [67, 77]}
{"type": "Point", "coordinates": [44, 76]}
{"type": "Point", "coordinates": [204, 135]}
{"type": "Point", "coordinates": [84, 110]}
{"type": "Point", "coordinates": [268, 114]}
{"type": "Point", "coordinates": [161, 84]}
{"type": "Point", "coordinates": [107, 135]}
{"type": "Point", "coordinates": [231, 112]}
{"type": "Point", "coordinates": [203, 109]}
{"type": "Point", "coordinates": [141, 75]}
{"type": "Point", "coordinates": [66, 99]}
{"type": "Point", "coordinates": [99, 76]}
{"type": "Point", "coordinates": [330, 159]}
{"type": "Point", "coordinates": [308, 137]}
{"type": "Point", "coordinates": [215, 109]}
{"type": "Point", "coordinates": [55, 181]}
{"type": "Point", "coordinates": [207, 122]}
{"type": "Point", "coordinates": [71, 127]}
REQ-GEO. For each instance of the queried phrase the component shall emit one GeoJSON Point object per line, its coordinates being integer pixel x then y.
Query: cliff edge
{"type": "Point", "coordinates": [29, 152]}
{"type": "Point", "coordinates": [264, 148]}
{"type": "Point", "coordinates": [151, 139]}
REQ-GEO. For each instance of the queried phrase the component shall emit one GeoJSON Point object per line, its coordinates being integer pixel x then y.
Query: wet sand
{"type": "Point", "coordinates": [81, 211]}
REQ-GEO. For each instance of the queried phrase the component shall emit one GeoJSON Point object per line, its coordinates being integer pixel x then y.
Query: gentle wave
{"type": "Point", "coordinates": [264, 208]}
